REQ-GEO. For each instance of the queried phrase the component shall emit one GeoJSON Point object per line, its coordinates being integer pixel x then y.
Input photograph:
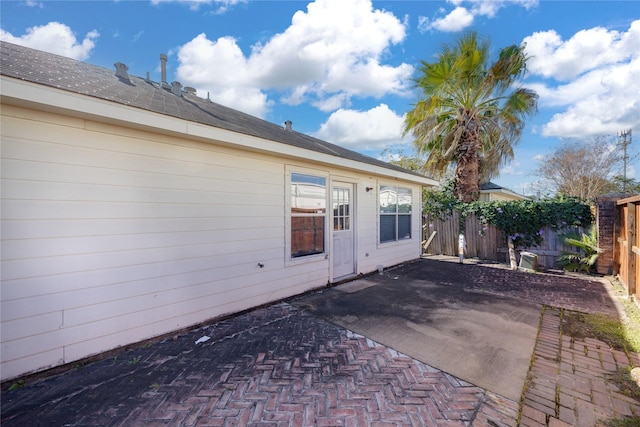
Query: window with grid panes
{"type": "Point", "coordinates": [308, 214]}
{"type": "Point", "coordinates": [395, 213]}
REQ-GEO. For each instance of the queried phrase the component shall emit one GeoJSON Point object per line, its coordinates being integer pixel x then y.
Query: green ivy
{"type": "Point", "coordinates": [441, 203]}
{"type": "Point", "coordinates": [522, 221]}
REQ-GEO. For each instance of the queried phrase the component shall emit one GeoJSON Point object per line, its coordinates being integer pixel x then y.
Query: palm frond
{"type": "Point", "coordinates": [465, 104]}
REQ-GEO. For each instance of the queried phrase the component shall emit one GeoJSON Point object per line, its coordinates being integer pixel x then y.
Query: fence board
{"type": "Point", "coordinates": [627, 242]}
{"type": "Point", "coordinates": [487, 242]}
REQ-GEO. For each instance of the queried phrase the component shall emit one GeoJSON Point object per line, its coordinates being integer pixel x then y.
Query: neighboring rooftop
{"type": "Point", "coordinates": [492, 191]}
{"type": "Point", "coordinates": [118, 86]}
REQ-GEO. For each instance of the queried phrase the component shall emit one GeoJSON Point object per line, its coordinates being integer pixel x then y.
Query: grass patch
{"type": "Point", "coordinates": [626, 384]}
{"type": "Point", "coordinates": [632, 322]}
{"type": "Point", "coordinates": [622, 422]}
{"type": "Point", "coordinates": [621, 334]}
{"type": "Point", "coordinates": [599, 326]}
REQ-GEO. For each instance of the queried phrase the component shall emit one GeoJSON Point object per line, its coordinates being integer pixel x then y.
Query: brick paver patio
{"type": "Point", "coordinates": [570, 380]}
{"type": "Point", "coordinates": [276, 366]}
{"type": "Point", "coordinates": [281, 366]}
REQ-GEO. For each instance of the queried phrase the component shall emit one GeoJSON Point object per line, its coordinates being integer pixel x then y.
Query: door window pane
{"type": "Point", "coordinates": [341, 210]}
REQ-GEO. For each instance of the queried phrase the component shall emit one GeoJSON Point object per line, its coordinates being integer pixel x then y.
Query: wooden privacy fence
{"type": "Point", "coordinates": [486, 241]}
{"type": "Point", "coordinates": [627, 244]}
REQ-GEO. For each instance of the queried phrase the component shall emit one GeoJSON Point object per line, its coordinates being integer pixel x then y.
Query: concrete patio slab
{"type": "Point", "coordinates": [484, 339]}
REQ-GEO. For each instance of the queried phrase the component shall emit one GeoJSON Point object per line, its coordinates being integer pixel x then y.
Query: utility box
{"type": "Point", "coordinates": [528, 261]}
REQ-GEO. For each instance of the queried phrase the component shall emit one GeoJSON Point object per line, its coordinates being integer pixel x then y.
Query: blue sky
{"type": "Point", "coordinates": [342, 70]}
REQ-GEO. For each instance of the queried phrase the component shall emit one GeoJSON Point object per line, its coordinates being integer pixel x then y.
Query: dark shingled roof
{"type": "Point", "coordinates": [490, 186]}
{"type": "Point", "coordinates": [68, 74]}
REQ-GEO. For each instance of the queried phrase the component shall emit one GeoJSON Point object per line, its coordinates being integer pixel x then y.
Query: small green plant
{"type": "Point", "coordinates": [621, 335]}
{"type": "Point", "coordinates": [134, 360]}
{"type": "Point", "coordinates": [631, 320]}
{"type": "Point", "coordinates": [625, 383]}
{"type": "Point", "coordinates": [632, 421]}
{"type": "Point", "coordinates": [18, 384]}
{"type": "Point", "coordinates": [584, 260]}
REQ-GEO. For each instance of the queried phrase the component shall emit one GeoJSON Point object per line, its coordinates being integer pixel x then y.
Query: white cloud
{"type": "Point", "coordinates": [56, 38]}
{"type": "Point", "coordinates": [249, 100]}
{"type": "Point", "coordinates": [223, 5]}
{"type": "Point", "coordinates": [595, 76]}
{"type": "Point", "coordinates": [329, 54]}
{"type": "Point", "coordinates": [462, 16]}
{"type": "Point", "coordinates": [569, 93]}
{"type": "Point", "coordinates": [552, 57]}
{"type": "Point", "coordinates": [137, 36]}
{"type": "Point", "coordinates": [539, 157]}
{"type": "Point", "coordinates": [456, 20]}
{"type": "Point", "coordinates": [220, 62]}
{"type": "Point", "coordinates": [374, 129]}
{"type": "Point", "coordinates": [205, 64]}
{"type": "Point", "coordinates": [33, 3]}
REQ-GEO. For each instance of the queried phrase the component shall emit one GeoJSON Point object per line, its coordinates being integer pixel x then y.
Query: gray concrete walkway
{"type": "Point", "coordinates": [484, 339]}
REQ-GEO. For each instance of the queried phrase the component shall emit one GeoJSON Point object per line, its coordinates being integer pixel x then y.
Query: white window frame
{"type": "Point", "coordinates": [289, 259]}
{"type": "Point", "coordinates": [396, 214]}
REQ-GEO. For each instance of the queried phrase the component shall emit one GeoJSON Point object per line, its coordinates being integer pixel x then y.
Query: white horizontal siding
{"type": "Point", "coordinates": [149, 259]}
{"type": "Point", "coordinates": [65, 246]}
{"type": "Point", "coordinates": [109, 233]}
{"type": "Point", "coordinates": [44, 228]}
{"type": "Point", "coordinates": [112, 235]}
{"type": "Point", "coordinates": [391, 253]}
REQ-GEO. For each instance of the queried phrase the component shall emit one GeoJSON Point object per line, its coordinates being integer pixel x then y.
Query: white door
{"type": "Point", "coordinates": [343, 230]}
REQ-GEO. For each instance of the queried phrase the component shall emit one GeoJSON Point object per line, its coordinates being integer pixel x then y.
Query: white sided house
{"type": "Point", "coordinates": [132, 208]}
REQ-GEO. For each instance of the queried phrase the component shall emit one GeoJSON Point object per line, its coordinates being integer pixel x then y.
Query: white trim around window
{"type": "Point", "coordinates": [306, 215]}
{"type": "Point", "coordinates": [395, 214]}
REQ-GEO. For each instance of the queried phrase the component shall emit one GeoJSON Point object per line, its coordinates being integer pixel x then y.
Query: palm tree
{"type": "Point", "coordinates": [470, 115]}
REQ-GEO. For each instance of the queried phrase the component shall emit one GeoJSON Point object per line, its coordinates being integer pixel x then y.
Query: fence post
{"type": "Point", "coordinates": [631, 256]}
{"type": "Point", "coordinates": [617, 228]}
{"type": "Point", "coordinates": [607, 217]}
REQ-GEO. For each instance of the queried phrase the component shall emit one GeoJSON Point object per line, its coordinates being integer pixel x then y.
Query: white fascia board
{"type": "Point", "coordinates": [32, 95]}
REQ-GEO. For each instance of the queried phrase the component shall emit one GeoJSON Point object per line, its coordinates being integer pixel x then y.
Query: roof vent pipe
{"type": "Point", "coordinates": [163, 73]}
{"type": "Point", "coordinates": [287, 125]}
{"type": "Point", "coordinates": [163, 68]}
{"type": "Point", "coordinates": [121, 71]}
{"type": "Point", "coordinates": [176, 88]}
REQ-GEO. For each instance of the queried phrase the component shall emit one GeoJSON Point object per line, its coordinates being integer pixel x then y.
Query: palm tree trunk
{"type": "Point", "coordinates": [467, 177]}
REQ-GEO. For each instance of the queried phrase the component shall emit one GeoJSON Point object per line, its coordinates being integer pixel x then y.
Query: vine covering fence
{"type": "Point", "coordinates": [486, 242]}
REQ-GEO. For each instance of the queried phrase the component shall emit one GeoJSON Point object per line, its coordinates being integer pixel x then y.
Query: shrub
{"type": "Point", "coordinates": [584, 260]}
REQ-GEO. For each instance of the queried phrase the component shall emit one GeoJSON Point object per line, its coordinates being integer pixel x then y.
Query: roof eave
{"type": "Point", "coordinates": [32, 95]}
{"type": "Point", "coordinates": [505, 191]}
